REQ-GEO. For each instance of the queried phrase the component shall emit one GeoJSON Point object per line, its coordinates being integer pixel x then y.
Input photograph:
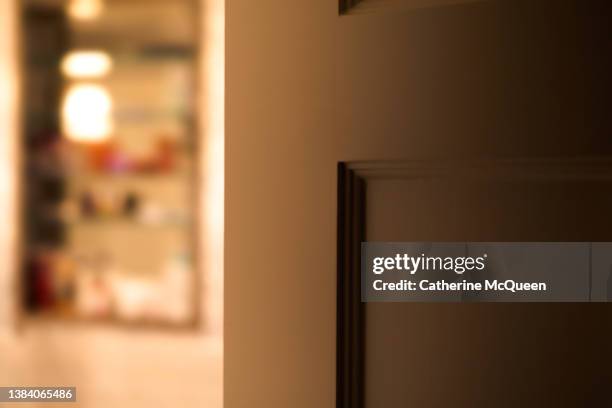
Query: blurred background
{"type": "Point", "coordinates": [112, 196]}
{"type": "Point", "coordinates": [109, 149]}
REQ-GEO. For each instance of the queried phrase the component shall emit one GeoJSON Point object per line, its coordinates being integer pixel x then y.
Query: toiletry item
{"type": "Point", "coordinates": [176, 284]}
{"type": "Point", "coordinates": [94, 298]}
{"type": "Point", "coordinates": [131, 203]}
{"type": "Point", "coordinates": [87, 204]}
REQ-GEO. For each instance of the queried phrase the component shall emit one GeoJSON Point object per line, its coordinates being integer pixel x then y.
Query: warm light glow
{"type": "Point", "coordinates": [87, 113]}
{"type": "Point", "coordinates": [85, 9]}
{"type": "Point", "coordinates": [9, 165]}
{"type": "Point", "coordinates": [212, 91]}
{"type": "Point", "coordinates": [86, 64]}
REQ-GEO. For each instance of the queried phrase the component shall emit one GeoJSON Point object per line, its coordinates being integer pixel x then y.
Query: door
{"type": "Point", "coordinates": [433, 87]}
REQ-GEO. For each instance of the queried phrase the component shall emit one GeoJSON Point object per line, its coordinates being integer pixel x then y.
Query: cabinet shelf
{"type": "Point", "coordinates": [114, 222]}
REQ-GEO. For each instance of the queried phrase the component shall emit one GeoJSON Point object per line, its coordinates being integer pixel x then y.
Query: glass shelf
{"type": "Point", "coordinates": [132, 174]}
{"type": "Point", "coordinates": [99, 175]}
{"type": "Point", "coordinates": [113, 222]}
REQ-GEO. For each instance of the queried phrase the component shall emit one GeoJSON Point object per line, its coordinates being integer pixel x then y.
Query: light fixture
{"type": "Point", "coordinates": [87, 113]}
{"type": "Point", "coordinates": [85, 9]}
{"type": "Point", "coordinates": [86, 64]}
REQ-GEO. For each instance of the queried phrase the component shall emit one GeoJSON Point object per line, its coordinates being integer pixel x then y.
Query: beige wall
{"type": "Point", "coordinates": [280, 204]}
{"type": "Point", "coordinates": [115, 366]}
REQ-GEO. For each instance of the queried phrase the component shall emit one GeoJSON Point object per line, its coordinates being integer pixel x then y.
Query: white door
{"type": "Point", "coordinates": [434, 87]}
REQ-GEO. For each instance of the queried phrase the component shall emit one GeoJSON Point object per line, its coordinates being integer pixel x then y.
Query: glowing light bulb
{"type": "Point", "coordinates": [86, 64]}
{"type": "Point", "coordinates": [87, 113]}
{"type": "Point", "coordinates": [85, 9]}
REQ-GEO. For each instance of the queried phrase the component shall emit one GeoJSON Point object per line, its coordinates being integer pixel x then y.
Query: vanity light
{"type": "Point", "coordinates": [86, 64]}
{"type": "Point", "coordinates": [87, 113]}
{"type": "Point", "coordinates": [85, 9]}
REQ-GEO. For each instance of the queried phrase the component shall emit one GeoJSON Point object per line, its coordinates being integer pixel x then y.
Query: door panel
{"type": "Point", "coordinates": [502, 78]}
{"type": "Point", "coordinates": [308, 88]}
{"type": "Point", "coordinates": [472, 355]}
{"type": "Point", "coordinates": [474, 80]}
